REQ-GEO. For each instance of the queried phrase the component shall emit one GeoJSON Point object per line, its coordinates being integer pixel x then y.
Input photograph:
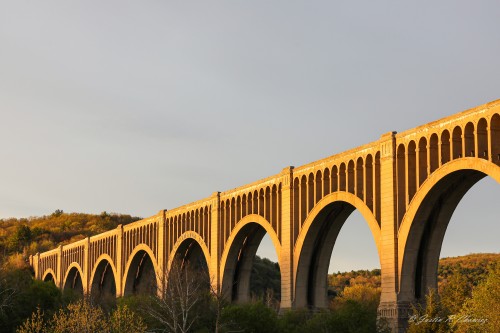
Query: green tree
{"type": "Point", "coordinates": [20, 238]}
{"type": "Point", "coordinates": [123, 320]}
{"type": "Point", "coordinates": [25, 295]}
{"type": "Point", "coordinates": [265, 279]}
{"type": "Point", "coordinates": [432, 318]}
{"type": "Point", "coordinates": [35, 324]}
{"type": "Point", "coordinates": [250, 318]}
{"type": "Point", "coordinates": [57, 213]}
{"type": "Point", "coordinates": [84, 317]}
{"type": "Point", "coordinates": [293, 321]}
{"type": "Point", "coordinates": [80, 317]}
{"type": "Point", "coordinates": [455, 292]}
{"type": "Point", "coordinates": [481, 313]}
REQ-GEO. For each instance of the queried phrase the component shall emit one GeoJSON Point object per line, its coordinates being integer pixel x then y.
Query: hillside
{"type": "Point", "coordinates": [38, 234]}
{"type": "Point", "coordinates": [474, 267]}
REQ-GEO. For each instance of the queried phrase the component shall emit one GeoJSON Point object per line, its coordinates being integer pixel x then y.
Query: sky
{"type": "Point", "coordinates": [133, 107]}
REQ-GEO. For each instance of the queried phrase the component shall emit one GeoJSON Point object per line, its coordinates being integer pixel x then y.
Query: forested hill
{"type": "Point", "coordinates": [38, 234]}
{"type": "Point", "coordinates": [474, 267]}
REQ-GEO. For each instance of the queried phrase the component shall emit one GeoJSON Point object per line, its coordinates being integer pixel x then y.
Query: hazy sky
{"type": "Point", "coordinates": [137, 106]}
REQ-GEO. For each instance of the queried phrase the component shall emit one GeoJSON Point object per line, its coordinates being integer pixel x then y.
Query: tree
{"type": "Point", "coordinates": [292, 321]}
{"type": "Point", "coordinates": [429, 319]}
{"type": "Point", "coordinates": [84, 317]}
{"type": "Point", "coordinates": [35, 324]}
{"type": "Point", "coordinates": [20, 238]}
{"type": "Point", "coordinates": [57, 213]}
{"type": "Point", "coordinates": [265, 279]}
{"type": "Point", "coordinates": [360, 293]}
{"type": "Point", "coordinates": [185, 288]}
{"type": "Point", "coordinates": [22, 295]}
{"type": "Point", "coordinates": [355, 310]}
{"type": "Point", "coordinates": [455, 292]}
{"type": "Point", "coordinates": [481, 313]}
{"type": "Point", "coordinates": [6, 299]}
{"type": "Point", "coordinates": [122, 320]}
{"type": "Point", "coordinates": [251, 318]}
{"type": "Point", "coordinates": [80, 317]}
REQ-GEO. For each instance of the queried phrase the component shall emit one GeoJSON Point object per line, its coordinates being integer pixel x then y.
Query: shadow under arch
{"type": "Point", "coordinates": [424, 225]}
{"type": "Point", "coordinates": [73, 279]}
{"type": "Point", "coordinates": [49, 275]}
{"type": "Point", "coordinates": [315, 244]}
{"type": "Point", "coordinates": [141, 275]}
{"type": "Point", "coordinates": [190, 247]}
{"type": "Point", "coordinates": [239, 253]}
{"type": "Point", "coordinates": [103, 279]}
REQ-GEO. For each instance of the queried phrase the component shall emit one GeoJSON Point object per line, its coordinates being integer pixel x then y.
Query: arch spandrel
{"type": "Point", "coordinates": [409, 237]}
{"type": "Point", "coordinates": [103, 257]}
{"type": "Point", "coordinates": [349, 198]}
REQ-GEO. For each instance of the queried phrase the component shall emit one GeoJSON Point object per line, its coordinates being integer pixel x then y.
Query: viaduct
{"type": "Point", "coordinates": [406, 185]}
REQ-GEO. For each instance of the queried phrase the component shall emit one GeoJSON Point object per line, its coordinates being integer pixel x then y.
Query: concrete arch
{"type": "Point", "coordinates": [68, 271]}
{"type": "Point", "coordinates": [46, 274]}
{"type": "Point", "coordinates": [189, 235]}
{"type": "Point", "coordinates": [128, 282]}
{"type": "Point", "coordinates": [239, 251]}
{"type": "Point", "coordinates": [315, 244]}
{"type": "Point", "coordinates": [423, 227]}
{"type": "Point", "coordinates": [336, 197]}
{"type": "Point", "coordinates": [97, 265]}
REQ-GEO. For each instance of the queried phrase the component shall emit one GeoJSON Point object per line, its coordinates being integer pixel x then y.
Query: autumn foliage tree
{"type": "Point", "coordinates": [84, 317]}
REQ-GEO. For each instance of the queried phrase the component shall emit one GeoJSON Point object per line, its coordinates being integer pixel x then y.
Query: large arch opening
{"type": "Point", "coordinates": [141, 275]}
{"type": "Point", "coordinates": [73, 282]}
{"type": "Point", "coordinates": [423, 232]}
{"type": "Point", "coordinates": [240, 264]}
{"type": "Point", "coordinates": [188, 273]}
{"type": "Point", "coordinates": [103, 284]}
{"type": "Point", "coordinates": [316, 251]}
{"type": "Point", "coordinates": [354, 248]}
{"type": "Point", "coordinates": [190, 252]}
{"type": "Point", "coordinates": [49, 277]}
{"type": "Point", "coordinates": [265, 279]}
{"type": "Point", "coordinates": [479, 205]}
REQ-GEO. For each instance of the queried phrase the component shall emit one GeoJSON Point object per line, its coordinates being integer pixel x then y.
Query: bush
{"type": "Point", "coordinates": [84, 317]}
{"type": "Point", "coordinates": [251, 318]}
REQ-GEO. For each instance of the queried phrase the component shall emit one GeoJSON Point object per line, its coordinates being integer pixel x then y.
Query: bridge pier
{"type": "Point", "coordinates": [392, 310]}
{"type": "Point", "coordinates": [395, 315]}
{"type": "Point", "coordinates": [286, 255]}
